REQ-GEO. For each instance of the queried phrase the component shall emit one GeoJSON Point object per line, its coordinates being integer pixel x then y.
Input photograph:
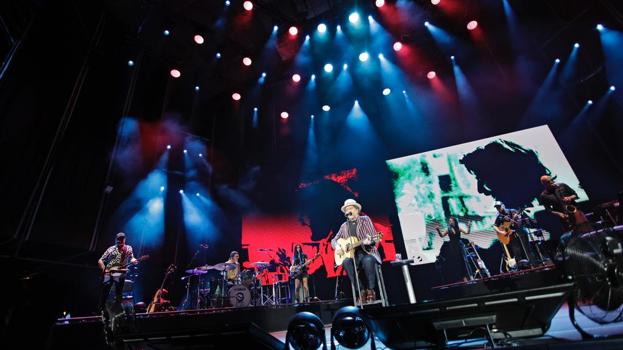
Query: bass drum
{"type": "Point", "coordinates": [239, 296]}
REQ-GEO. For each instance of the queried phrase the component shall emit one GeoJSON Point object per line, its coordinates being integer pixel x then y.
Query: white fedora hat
{"type": "Point", "coordinates": [350, 202]}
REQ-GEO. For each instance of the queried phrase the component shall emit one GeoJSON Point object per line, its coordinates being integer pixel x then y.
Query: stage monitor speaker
{"type": "Point", "coordinates": [517, 314]}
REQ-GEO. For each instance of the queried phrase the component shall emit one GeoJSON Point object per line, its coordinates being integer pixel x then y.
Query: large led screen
{"type": "Point", "coordinates": [467, 179]}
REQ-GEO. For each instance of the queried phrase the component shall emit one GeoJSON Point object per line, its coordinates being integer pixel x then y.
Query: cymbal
{"type": "Point", "coordinates": [223, 266]}
{"type": "Point", "coordinates": [197, 271]}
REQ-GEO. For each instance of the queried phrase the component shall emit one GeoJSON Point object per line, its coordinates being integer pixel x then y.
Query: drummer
{"type": "Point", "coordinates": [233, 275]}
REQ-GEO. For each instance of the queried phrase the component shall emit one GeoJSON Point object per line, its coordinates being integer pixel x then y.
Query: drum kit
{"type": "Point", "coordinates": [207, 286]}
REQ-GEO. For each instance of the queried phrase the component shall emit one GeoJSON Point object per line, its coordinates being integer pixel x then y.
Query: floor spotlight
{"type": "Point", "coordinates": [305, 332]}
{"type": "Point", "coordinates": [351, 329]}
{"type": "Point", "coordinates": [322, 28]}
{"type": "Point", "coordinates": [353, 17]}
{"type": "Point", "coordinates": [328, 68]}
{"type": "Point", "coordinates": [386, 91]}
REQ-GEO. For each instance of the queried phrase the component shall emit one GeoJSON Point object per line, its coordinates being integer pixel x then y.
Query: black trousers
{"type": "Point", "coordinates": [366, 263]}
{"type": "Point", "coordinates": [107, 285]}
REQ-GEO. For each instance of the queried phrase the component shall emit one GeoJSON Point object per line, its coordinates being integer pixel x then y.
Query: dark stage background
{"type": "Point", "coordinates": [84, 135]}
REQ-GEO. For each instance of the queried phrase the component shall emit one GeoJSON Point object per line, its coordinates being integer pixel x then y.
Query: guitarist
{"type": "Point", "coordinates": [519, 239]}
{"type": "Point", "coordinates": [300, 281]}
{"type": "Point", "coordinates": [366, 255]}
{"type": "Point", "coordinates": [117, 256]}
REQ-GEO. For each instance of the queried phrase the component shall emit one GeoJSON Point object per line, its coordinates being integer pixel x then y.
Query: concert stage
{"type": "Point", "coordinates": [211, 326]}
{"type": "Point", "coordinates": [520, 280]}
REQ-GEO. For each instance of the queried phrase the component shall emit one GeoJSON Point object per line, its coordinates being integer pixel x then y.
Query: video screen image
{"type": "Point", "coordinates": [466, 180]}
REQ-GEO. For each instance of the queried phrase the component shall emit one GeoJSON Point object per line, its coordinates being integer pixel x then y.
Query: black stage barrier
{"type": "Point", "coordinates": [514, 314]}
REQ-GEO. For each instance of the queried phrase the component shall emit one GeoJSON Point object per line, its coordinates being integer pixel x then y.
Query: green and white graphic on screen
{"type": "Point", "coordinates": [466, 180]}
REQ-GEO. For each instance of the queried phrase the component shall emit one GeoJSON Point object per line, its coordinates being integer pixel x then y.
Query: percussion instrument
{"type": "Point", "coordinates": [239, 296]}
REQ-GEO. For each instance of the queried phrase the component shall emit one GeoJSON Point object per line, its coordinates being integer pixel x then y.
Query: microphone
{"type": "Point", "coordinates": [348, 214]}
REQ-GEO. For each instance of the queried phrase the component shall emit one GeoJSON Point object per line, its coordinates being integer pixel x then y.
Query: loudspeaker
{"type": "Point", "coordinates": [518, 313]}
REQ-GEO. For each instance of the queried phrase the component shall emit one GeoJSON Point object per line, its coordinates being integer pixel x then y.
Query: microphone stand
{"type": "Point", "coordinates": [190, 263]}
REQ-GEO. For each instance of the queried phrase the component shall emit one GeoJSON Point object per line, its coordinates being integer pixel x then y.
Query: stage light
{"type": "Point", "coordinates": [590, 102]}
{"type": "Point", "coordinates": [363, 56]}
{"type": "Point", "coordinates": [181, 191]}
{"type": "Point", "coordinates": [293, 31]}
{"type": "Point", "coordinates": [338, 28]}
{"type": "Point", "coordinates": [198, 39]}
{"type": "Point", "coordinates": [328, 68]}
{"type": "Point", "coordinates": [452, 57]}
{"type": "Point", "coordinates": [305, 331]}
{"type": "Point", "coordinates": [307, 37]}
{"type": "Point", "coordinates": [345, 66]}
{"type": "Point", "coordinates": [600, 27]}
{"type": "Point", "coordinates": [353, 17]}
{"type": "Point", "coordinates": [296, 78]}
{"type": "Point", "coordinates": [435, 2]}
{"type": "Point", "coordinates": [197, 194]}
{"type": "Point", "coordinates": [379, 3]}
{"type": "Point", "coordinates": [196, 87]}
{"type": "Point", "coordinates": [247, 61]}
{"type": "Point", "coordinates": [227, 3]}
{"type": "Point", "coordinates": [218, 55]}
{"type": "Point", "coordinates": [612, 88]}
{"type": "Point", "coordinates": [161, 188]}
{"type": "Point", "coordinates": [254, 109]}
{"type": "Point", "coordinates": [351, 329]}
{"type": "Point", "coordinates": [313, 77]}
{"type": "Point", "coordinates": [576, 45]}
{"type": "Point", "coordinates": [431, 74]}
{"type": "Point", "coordinates": [248, 5]}
{"type": "Point", "coordinates": [387, 91]}
{"type": "Point", "coordinates": [130, 63]}
{"type": "Point", "coordinates": [311, 116]}
{"type": "Point", "coordinates": [168, 146]}
{"type": "Point", "coordinates": [166, 32]}
{"type": "Point", "coordinates": [185, 151]}
{"type": "Point", "coordinates": [200, 155]}
{"type": "Point", "coordinates": [275, 29]}
{"type": "Point", "coordinates": [175, 73]}
{"type": "Point", "coordinates": [557, 60]}
{"type": "Point", "coordinates": [322, 28]}
{"type": "Point", "coordinates": [404, 92]}
{"type": "Point", "coordinates": [380, 56]}
{"type": "Point", "coordinates": [397, 46]}
{"type": "Point", "coordinates": [326, 108]}
{"type": "Point", "coordinates": [263, 74]}
{"type": "Point", "coordinates": [284, 115]}
{"type": "Point", "coordinates": [236, 96]}
{"type": "Point", "coordinates": [426, 23]}
{"type": "Point", "coordinates": [472, 25]}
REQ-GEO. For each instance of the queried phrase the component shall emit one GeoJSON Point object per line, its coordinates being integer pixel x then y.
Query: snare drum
{"type": "Point", "coordinates": [239, 296]}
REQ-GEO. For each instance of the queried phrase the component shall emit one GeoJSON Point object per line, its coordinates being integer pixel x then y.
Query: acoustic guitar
{"type": "Point", "coordinates": [348, 245]}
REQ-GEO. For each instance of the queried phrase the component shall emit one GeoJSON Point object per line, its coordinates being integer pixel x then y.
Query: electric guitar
{"type": "Point", "coordinates": [348, 245]}
{"type": "Point", "coordinates": [121, 270]}
{"type": "Point", "coordinates": [295, 270]}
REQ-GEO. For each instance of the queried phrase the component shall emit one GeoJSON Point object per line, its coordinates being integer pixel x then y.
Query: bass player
{"type": "Point", "coordinates": [366, 256]}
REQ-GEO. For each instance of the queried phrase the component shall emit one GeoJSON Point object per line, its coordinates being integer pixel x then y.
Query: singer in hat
{"type": "Point", "coordinates": [366, 255]}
